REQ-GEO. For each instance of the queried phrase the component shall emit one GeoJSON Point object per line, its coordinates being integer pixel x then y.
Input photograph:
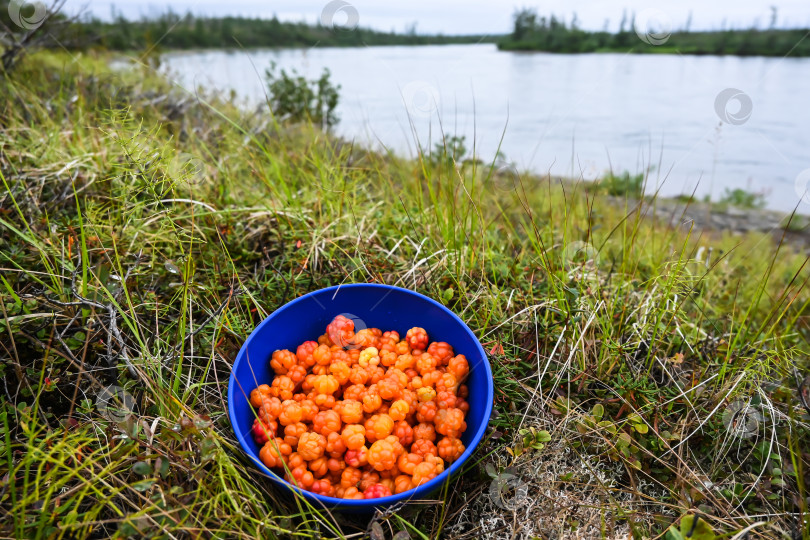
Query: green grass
{"type": "Point", "coordinates": [123, 266]}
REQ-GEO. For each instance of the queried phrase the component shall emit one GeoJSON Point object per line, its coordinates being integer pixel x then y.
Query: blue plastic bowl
{"type": "Point", "coordinates": [377, 306]}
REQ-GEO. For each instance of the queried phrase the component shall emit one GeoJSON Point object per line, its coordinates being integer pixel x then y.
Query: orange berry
{"type": "Point", "coordinates": [426, 412]}
{"type": "Point", "coordinates": [408, 462]}
{"type": "Point", "coordinates": [450, 422]}
{"type": "Point", "coordinates": [350, 477]}
{"type": "Point", "coordinates": [359, 374]}
{"type": "Point", "coordinates": [388, 358]}
{"type": "Point", "coordinates": [263, 431]}
{"type": "Point", "coordinates": [417, 338]}
{"type": "Point", "coordinates": [282, 387]}
{"type": "Point", "coordinates": [309, 410]}
{"type": "Point", "coordinates": [382, 455]}
{"type": "Point", "coordinates": [304, 353]}
{"type": "Point", "coordinates": [368, 478]}
{"type": "Point", "coordinates": [301, 477]}
{"type": "Point", "coordinates": [371, 401]}
{"type": "Point", "coordinates": [282, 361]}
{"type": "Point", "coordinates": [425, 472]}
{"type": "Point", "coordinates": [341, 371]}
{"type": "Point", "coordinates": [378, 427]}
{"type": "Point", "coordinates": [425, 394]}
{"type": "Point", "coordinates": [335, 446]}
{"type": "Point", "coordinates": [423, 447]}
{"type": "Point", "coordinates": [293, 432]}
{"type": "Point", "coordinates": [404, 432]}
{"type": "Point", "coordinates": [424, 431]}
{"type": "Point", "coordinates": [389, 389]}
{"type": "Point", "coordinates": [297, 374]}
{"type": "Point", "coordinates": [405, 361]}
{"type": "Point", "coordinates": [325, 384]}
{"type": "Point", "coordinates": [311, 445]}
{"type": "Point", "coordinates": [335, 466]}
{"type": "Point", "coordinates": [350, 411]}
{"type": "Point", "coordinates": [326, 422]}
{"type": "Point", "coordinates": [403, 483]}
{"type": "Point", "coordinates": [459, 367]}
{"type": "Point", "coordinates": [445, 400]}
{"type": "Point", "coordinates": [274, 452]}
{"type": "Point", "coordinates": [425, 364]}
{"type": "Point", "coordinates": [354, 436]}
{"type": "Point", "coordinates": [257, 395]}
{"type": "Point", "coordinates": [450, 449]}
{"type": "Point", "coordinates": [319, 466]}
{"type": "Point", "coordinates": [291, 412]}
{"type": "Point", "coordinates": [369, 357]}
{"type": "Point", "coordinates": [352, 493]}
{"type": "Point", "coordinates": [322, 355]}
{"type": "Point", "coordinates": [441, 351]}
{"type": "Point", "coordinates": [402, 348]}
{"type": "Point", "coordinates": [354, 392]}
{"type": "Point", "coordinates": [398, 410]}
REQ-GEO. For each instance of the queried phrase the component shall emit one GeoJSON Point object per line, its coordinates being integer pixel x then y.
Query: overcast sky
{"type": "Point", "coordinates": [472, 16]}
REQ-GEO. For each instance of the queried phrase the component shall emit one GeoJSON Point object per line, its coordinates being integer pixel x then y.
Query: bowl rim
{"type": "Point", "coordinates": [415, 493]}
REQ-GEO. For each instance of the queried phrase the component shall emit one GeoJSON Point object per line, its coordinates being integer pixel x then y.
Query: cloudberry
{"type": "Point", "coordinates": [309, 410]}
{"type": "Point", "coordinates": [447, 383]}
{"type": "Point", "coordinates": [274, 452]}
{"type": "Point", "coordinates": [354, 392]}
{"type": "Point", "coordinates": [450, 449]}
{"type": "Point", "coordinates": [402, 348]}
{"type": "Point", "coordinates": [424, 447]}
{"type": "Point", "coordinates": [293, 432]}
{"type": "Point", "coordinates": [425, 472]}
{"type": "Point", "coordinates": [382, 455]}
{"type": "Point", "coordinates": [425, 364]}
{"type": "Point", "coordinates": [350, 477]}
{"type": "Point", "coordinates": [319, 466]}
{"type": "Point", "coordinates": [322, 355]}
{"type": "Point", "coordinates": [375, 491]}
{"type": "Point", "coordinates": [459, 367]}
{"type": "Point", "coordinates": [359, 375]}
{"type": "Point", "coordinates": [341, 371]}
{"type": "Point", "coordinates": [262, 432]}
{"type": "Point", "coordinates": [368, 478]}
{"type": "Point", "coordinates": [354, 436]}
{"type": "Point", "coordinates": [417, 338]}
{"type": "Point", "coordinates": [388, 358]}
{"type": "Point", "coordinates": [335, 445]}
{"type": "Point", "coordinates": [445, 399]}
{"type": "Point", "coordinates": [404, 432]}
{"type": "Point", "coordinates": [304, 353]}
{"type": "Point", "coordinates": [326, 422]}
{"type": "Point", "coordinates": [335, 466]}
{"type": "Point", "coordinates": [389, 389]}
{"type": "Point", "coordinates": [341, 331]}
{"type": "Point", "coordinates": [352, 493]}
{"type": "Point", "coordinates": [369, 357]}
{"type": "Point", "coordinates": [403, 483]}
{"type": "Point", "coordinates": [282, 361]}
{"type": "Point", "coordinates": [350, 411]}
{"type": "Point", "coordinates": [441, 351]}
{"type": "Point", "coordinates": [311, 445]}
{"type": "Point", "coordinates": [257, 395]}
{"type": "Point", "coordinates": [424, 431]}
{"type": "Point", "coordinates": [301, 477]}
{"type": "Point", "coordinates": [426, 412]}
{"type": "Point", "coordinates": [357, 458]}
{"type": "Point", "coordinates": [425, 394]}
{"type": "Point", "coordinates": [408, 462]}
{"type": "Point", "coordinates": [297, 373]}
{"type": "Point", "coordinates": [398, 410]}
{"type": "Point", "coordinates": [295, 460]}
{"type": "Point", "coordinates": [450, 422]}
{"type": "Point", "coordinates": [270, 410]}
{"type": "Point", "coordinates": [282, 387]}
{"type": "Point", "coordinates": [291, 413]}
{"type": "Point", "coordinates": [378, 427]}
{"type": "Point", "coordinates": [371, 401]}
{"type": "Point", "coordinates": [325, 384]}
{"type": "Point", "coordinates": [405, 361]}
{"type": "Point", "coordinates": [377, 374]}
{"type": "Point", "coordinates": [323, 487]}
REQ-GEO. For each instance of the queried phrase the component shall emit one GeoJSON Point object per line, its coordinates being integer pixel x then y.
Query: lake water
{"type": "Point", "coordinates": [572, 115]}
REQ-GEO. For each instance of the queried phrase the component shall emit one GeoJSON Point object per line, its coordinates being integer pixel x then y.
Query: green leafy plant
{"type": "Point", "coordinates": [294, 98]}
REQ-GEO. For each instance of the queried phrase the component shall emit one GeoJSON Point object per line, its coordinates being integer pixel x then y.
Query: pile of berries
{"type": "Point", "coordinates": [361, 415]}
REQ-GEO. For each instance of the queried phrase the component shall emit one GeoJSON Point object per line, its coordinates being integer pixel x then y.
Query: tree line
{"type": "Point", "coordinates": [539, 33]}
